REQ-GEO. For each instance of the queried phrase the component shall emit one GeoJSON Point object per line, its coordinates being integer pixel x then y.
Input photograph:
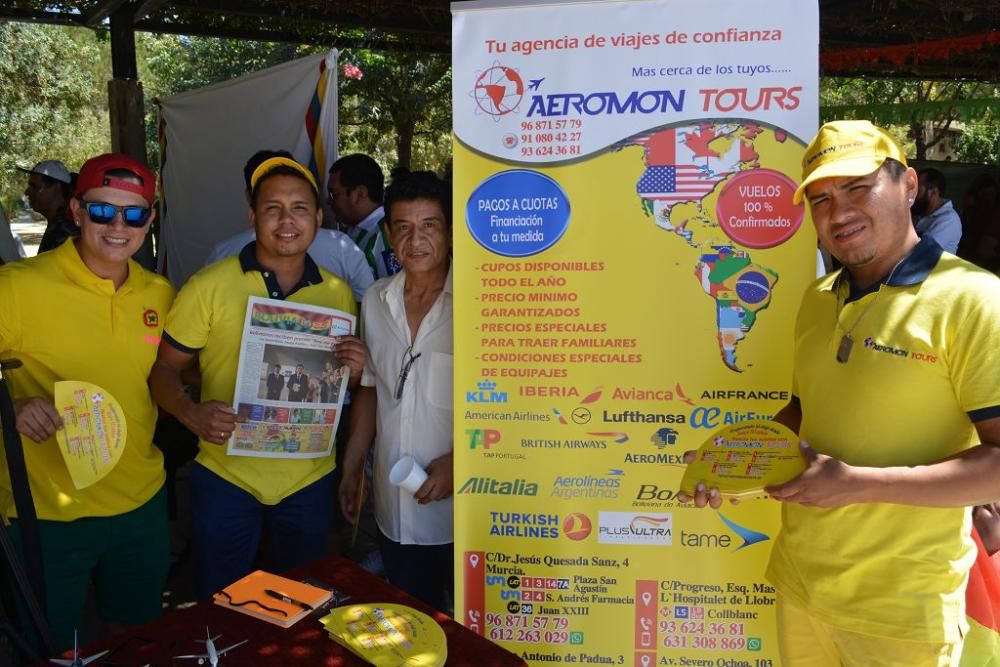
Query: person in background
{"type": "Point", "coordinates": [933, 215]}
{"type": "Point", "coordinates": [49, 190]}
{"type": "Point", "coordinates": [355, 190]}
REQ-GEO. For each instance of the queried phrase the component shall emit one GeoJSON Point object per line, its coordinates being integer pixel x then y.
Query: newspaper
{"type": "Point", "coordinates": [289, 386]}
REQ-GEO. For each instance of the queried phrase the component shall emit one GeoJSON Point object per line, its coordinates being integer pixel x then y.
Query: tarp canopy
{"type": "Point", "coordinates": [207, 135]}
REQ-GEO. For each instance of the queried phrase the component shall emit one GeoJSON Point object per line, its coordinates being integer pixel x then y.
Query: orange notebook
{"type": "Point", "coordinates": [271, 598]}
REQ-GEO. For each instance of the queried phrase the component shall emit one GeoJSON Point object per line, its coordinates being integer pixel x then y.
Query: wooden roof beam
{"type": "Point", "coordinates": [244, 8]}
{"type": "Point", "coordinates": [102, 10]}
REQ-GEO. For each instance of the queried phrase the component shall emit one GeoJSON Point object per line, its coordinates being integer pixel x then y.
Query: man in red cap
{"type": "Point", "coordinates": [87, 312]}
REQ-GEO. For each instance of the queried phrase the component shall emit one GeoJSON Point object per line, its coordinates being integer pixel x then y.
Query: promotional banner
{"type": "Point", "coordinates": [628, 266]}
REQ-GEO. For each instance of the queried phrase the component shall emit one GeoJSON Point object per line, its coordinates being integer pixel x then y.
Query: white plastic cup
{"type": "Point", "coordinates": [407, 474]}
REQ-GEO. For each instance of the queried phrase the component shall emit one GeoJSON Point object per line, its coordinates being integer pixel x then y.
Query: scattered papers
{"type": "Point", "coordinates": [388, 635]}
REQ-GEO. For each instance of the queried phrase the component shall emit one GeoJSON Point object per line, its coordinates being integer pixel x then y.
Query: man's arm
{"type": "Point", "coordinates": [213, 421]}
{"type": "Point", "coordinates": [969, 478]}
{"type": "Point", "coordinates": [364, 405]}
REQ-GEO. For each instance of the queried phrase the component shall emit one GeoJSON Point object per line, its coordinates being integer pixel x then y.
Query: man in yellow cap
{"type": "Point", "coordinates": [234, 498]}
{"type": "Point", "coordinates": [895, 391]}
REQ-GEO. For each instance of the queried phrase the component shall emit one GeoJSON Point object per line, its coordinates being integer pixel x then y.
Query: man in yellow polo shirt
{"type": "Point", "coordinates": [235, 498]}
{"type": "Point", "coordinates": [86, 311]}
{"type": "Point", "coordinates": [895, 391]}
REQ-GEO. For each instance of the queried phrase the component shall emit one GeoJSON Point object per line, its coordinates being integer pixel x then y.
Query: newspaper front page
{"type": "Point", "coordinates": [289, 386]}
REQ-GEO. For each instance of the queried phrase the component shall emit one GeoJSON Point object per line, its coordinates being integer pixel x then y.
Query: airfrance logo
{"type": "Point", "coordinates": [872, 344]}
{"type": "Point", "coordinates": [485, 393]}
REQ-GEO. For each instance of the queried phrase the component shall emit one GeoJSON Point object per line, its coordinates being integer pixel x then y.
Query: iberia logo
{"type": "Point", "coordinates": [151, 318]}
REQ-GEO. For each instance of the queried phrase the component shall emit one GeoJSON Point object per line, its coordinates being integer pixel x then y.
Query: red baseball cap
{"type": "Point", "coordinates": [94, 174]}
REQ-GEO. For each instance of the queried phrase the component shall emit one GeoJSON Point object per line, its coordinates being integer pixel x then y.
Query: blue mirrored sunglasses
{"type": "Point", "coordinates": [103, 213]}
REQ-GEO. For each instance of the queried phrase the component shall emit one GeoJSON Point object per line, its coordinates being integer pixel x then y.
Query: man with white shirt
{"type": "Point", "coordinates": [405, 399]}
{"type": "Point", "coordinates": [355, 194]}
{"type": "Point", "coordinates": [332, 250]}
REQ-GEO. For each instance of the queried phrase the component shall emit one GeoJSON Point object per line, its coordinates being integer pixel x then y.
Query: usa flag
{"type": "Point", "coordinates": [675, 172]}
{"type": "Point", "coordinates": [675, 183]}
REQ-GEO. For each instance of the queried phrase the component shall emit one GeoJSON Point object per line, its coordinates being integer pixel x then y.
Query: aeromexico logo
{"type": "Point", "coordinates": [872, 344]}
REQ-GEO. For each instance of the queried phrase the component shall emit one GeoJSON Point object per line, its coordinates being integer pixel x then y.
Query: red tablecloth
{"type": "Point", "coordinates": [305, 643]}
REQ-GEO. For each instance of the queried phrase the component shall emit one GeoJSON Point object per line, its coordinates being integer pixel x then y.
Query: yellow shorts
{"type": "Point", "coordinates": [806, 641]}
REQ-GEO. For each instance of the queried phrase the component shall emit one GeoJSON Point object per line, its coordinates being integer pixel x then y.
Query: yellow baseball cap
{"type": "Point", "coordinates": [846, 148]}
{"type": "Point", "coordinates": [271, 163]}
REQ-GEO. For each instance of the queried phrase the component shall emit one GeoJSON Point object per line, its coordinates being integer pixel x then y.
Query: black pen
{"type": "Point", "coordinates": [288, 600]}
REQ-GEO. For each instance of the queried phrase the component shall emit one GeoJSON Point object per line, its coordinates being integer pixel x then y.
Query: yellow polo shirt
{"type": "Point", "coordinates": [65, 323]}
{"type": "Point", "coordinates": [922, 371]}
{"type": "Point", "coordinates": [208, 318]}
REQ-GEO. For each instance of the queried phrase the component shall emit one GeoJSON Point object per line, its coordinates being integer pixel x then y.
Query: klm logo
{"type": "Point", "coordinates": [484, 393]}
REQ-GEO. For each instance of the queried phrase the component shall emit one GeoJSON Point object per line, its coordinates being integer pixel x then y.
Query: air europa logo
{"type": "Point", "coordinates": [872, 344]}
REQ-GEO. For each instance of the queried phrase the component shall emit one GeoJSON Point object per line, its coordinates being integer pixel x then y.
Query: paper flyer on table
{"type": "Point", "coordinates": [290, 387]}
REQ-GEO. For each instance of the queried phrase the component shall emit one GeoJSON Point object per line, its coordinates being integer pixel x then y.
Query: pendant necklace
{"type": "Point", "coordinates": [847, 340]}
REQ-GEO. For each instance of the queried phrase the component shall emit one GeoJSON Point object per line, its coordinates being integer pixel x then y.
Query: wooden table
{"type": "Point", "coordinates": [305, 643]}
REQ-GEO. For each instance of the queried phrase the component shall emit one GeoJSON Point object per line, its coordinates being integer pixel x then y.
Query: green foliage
{"type": "Point", "coordinates": [918, 113]}
{"type": "Point", "coordinates": [53, 95]}
{"type": "Point", "coordinates": [53, 100]}
{"type": "Point", "coordinates": [980, 142]}
{"type": "Point", "coordinates": [406, 96]}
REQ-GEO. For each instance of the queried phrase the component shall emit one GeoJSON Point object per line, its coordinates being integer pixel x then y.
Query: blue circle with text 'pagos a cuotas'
{"type": "Point", "coordinates": [517, 213]}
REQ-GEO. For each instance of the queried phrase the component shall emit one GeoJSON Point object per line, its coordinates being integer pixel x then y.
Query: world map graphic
{"type": "Point", "coordinates": [686, 168]}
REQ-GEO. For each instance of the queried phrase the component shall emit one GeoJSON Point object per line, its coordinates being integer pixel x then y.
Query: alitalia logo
{"type": "Point", "coordinates": [495, 487]}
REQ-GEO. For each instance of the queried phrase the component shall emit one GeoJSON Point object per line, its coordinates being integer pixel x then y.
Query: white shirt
{"type": "Point", "coordinates": [420, 424]}
{"type": "Point", "coordinates": [332, 250]}
{"type": "Point", "coordinates": [368, 235]}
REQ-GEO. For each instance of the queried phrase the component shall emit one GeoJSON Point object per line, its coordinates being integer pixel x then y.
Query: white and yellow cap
{"type": "Point", "coordinates": [846, 148]}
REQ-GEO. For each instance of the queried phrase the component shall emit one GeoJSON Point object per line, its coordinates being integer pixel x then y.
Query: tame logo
{"type": "Point", "coordinates": [722, 540]}
{"type": "Point", "coordinates": [484, 393]}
